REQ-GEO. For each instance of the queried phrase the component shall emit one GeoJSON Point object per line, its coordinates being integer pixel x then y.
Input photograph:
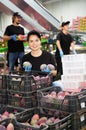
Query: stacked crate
{"type": "Point", "coordinates": [3, 90]}
{"type": "Point", "coordinates": [74, 71]}
{"type": "Point", "coordinates": [74, 104]}
{"type": "Point", "coordinates": [46, 117]}
{"type": "Point", "coordinates": [73, 99]}
{"type": "Point", "coordinates": [22, 88]}
{"type": "Point", "coordinates": [48, 100]}
{"type": "Point", "coordinates": [74, 74]}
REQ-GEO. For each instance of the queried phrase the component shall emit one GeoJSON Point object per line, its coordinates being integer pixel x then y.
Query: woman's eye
{"type": "Point", "coordinates": [31, 41]}
{"type": "Point", "coordinates": [37, 40]}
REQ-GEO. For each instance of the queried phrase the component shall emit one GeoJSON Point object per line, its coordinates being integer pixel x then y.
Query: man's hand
{"type": "Point", "coordinates": [14, 37]}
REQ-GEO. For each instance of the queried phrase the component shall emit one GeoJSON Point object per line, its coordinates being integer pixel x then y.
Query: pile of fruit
{"type": "Point", "coordinates": [56, 99]}
{"type": "Point", "coordinates": [6, 115]}
{"type": "Point", "coordinates": [52, 117]}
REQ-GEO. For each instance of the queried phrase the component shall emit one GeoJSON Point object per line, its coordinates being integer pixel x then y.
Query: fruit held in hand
{"type": "Point", "coordinates": [26, 63]}
{"type": "Point", "coordinates": [43, 67]}
{"type": "Point", "coordinates": [21, 37]}
{"type": "Point", "coordinates": [51, 67]}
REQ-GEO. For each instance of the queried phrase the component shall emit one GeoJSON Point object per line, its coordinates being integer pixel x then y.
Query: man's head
{"type": "Point", "coordinates": [16, 18]}
{"type": "Point", "coordinates": [65, 25]}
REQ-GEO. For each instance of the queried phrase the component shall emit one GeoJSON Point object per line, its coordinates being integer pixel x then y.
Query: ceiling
{"type": "Point", "coordinates": [35, 16]}
{"type": "Point", "coordinates": [48, 1]}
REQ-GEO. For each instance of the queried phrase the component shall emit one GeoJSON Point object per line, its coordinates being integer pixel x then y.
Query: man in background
{"type": "Point", "coordinates": [15, 45]}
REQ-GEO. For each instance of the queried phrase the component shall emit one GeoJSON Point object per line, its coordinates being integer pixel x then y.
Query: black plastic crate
{"type": "Point", "coordinates": [79, 121]}
{"type": "Point", "coordinates": [70, 103]}
{"type": "Point", "coordinates": [26, 127]}
{"type": "Point", "coordinates": [11, 109]}
{"type": "Point", "coordinates": [22, 99]}
{"type": "Point", "coordinates": [75, 103]}
{"type": "Point", "coordinates": [28, 81]}
{"type": "Point", "coordinates": [12, 121]}
{"type": "Point", "coordinates": [48, 102]}
{"type": "Point", "coordinates": [9, 112]}
{"type": "Point", "coordinates": [3, 82]}
{"type": "Point", "coordinates": [3, 96]}
{"type": "Point", "coordinates": [63, 124]}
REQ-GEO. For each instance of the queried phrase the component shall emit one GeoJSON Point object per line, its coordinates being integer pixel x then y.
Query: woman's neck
{"type": "Point", "coordinates": [36, 53]}
{"type": "Point", "coordinates": [65, 32]}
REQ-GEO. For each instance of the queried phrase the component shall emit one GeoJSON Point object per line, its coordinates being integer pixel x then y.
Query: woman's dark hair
{"type": "Point", "coordinates": [33, 32]}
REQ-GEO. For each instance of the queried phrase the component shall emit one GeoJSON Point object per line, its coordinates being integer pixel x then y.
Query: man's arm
{"type": "Point", "coordinates": [6, 38]}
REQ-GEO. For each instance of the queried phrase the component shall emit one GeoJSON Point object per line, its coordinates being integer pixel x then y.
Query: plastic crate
{"type": "Point", "coordinates": [25, 127]}
{"type": "Point", "coordinates": [10, 109]}
{"type": "Point", "coordinates": [64, 123]}
{"type": "Point", "coordinates": [83, 85]}
{"type": "Point", "coordinates": [74, 103]}
{"type": "Point", "coordinates": [22, 99]}
{"type": "Point", "coordinates": [9, 112]}
{"type": "Point", "coordinates": [70, 103]}
{"type": "Point", "coordinates": [71, 85]}
{"type": "Point", "coordinates": [79, 121]}
{"type": "Point", "coordinates": [48, 102]}
{"type": "Point", "coordinates": [74, 64]}
{"type": "Point", "coordinates": [7, 121]}
{"type": "Point", "coordinates": [73, 77]}
{"type": "Point", "coordinates": [3, 96]}
{"type": "Point", "coordinates": [73, 58]}
{"type": "Point", "coordinates": [28, 81]}
{"type": "Point", "coordinates": [3, 82]}
{"type": "Point", "coordinates": [77, 70]}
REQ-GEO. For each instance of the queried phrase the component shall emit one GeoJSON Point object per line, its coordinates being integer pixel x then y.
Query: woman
{"type": "Point", "coordinates": [64, 41]}
{"type": "Point", "coordinates": [37, 57]}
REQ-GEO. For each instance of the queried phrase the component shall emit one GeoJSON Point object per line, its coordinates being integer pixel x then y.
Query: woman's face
{"type": "Point", "coordinates": [34, 43]}
{"type": "Point", "coordinates": [66, 27]}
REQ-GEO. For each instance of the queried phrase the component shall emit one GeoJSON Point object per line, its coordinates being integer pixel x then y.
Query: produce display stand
{"type": "Point", "coordinates": [3, 53]}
